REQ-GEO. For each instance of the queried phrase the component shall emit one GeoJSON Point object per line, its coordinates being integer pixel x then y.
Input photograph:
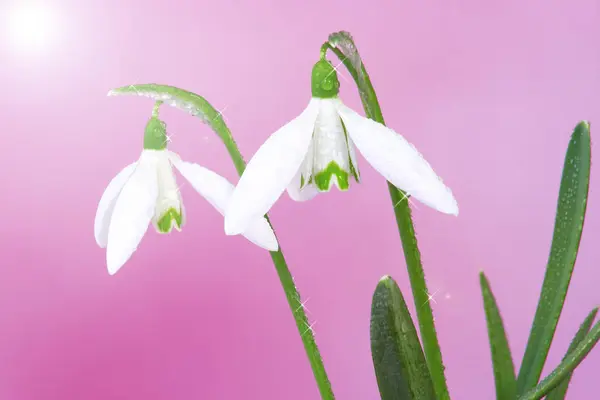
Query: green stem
{"type": "Point", "coordinates": [199, 107]}
{"type": "Point", "coordinates": [324, 49]}
{"type": "Point", "coordinates": [412, 254]}
{"type": "Point", "coordinates": [285, 277]}
{"type": "Point", "coordinates": [156, 108]}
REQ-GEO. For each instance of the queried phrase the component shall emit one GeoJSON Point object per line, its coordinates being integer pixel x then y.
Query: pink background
{"type": "Point", "coordinates": [489, 94]}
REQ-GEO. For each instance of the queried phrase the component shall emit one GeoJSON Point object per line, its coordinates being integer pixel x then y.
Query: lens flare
{"type": "Point", "coordinates": [32, 27]}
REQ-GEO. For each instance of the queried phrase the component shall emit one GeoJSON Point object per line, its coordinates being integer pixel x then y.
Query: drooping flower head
{"type": "Point", "coordinates": [316, 151]}
{"type": "Point", "coordinates": [146, 191]}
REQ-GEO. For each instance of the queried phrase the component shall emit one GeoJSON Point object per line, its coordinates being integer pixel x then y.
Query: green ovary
{"type": "Point", "coordinates": [323, 179]}
{"type": "Point", "coordinates": [155, 135]}
{"type": "Point", "coordinates": [168, 220]}
{"type": "Point", "coordinates": [324, 80]}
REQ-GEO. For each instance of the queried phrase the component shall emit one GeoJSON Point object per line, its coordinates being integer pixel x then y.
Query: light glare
{"type": "Point", "coordinates": [32, 27]}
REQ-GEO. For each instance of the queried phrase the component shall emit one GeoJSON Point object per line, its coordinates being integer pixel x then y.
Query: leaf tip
{"type": "Point", "coordinates": [386, 281]}
{"type": "Point", "coordinates": [582, 130]}
{"type": "Point", "coordinates": [482, 277]}
{"type": "Point", "coordinates": [119, 90]}
{"type": "Point", "coordinates": [584, 124]}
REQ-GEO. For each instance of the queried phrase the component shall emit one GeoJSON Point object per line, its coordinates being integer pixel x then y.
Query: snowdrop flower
{"type": "Point", "coordinates": [146, 191]}
{"type": "Point", "coordinates": [315, 151]}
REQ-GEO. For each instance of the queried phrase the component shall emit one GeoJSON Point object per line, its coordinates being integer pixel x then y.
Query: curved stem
{"type": "Point", "coordinates": [285, 277]}
{"type": "Point", "coordinates": [408, 237]}
{"type": "Point", "coordinates": [156, 108]}
{"type": "Point", "coordinates": [198, 106]}
{"type": "Point", "coordinates": [324, 50]}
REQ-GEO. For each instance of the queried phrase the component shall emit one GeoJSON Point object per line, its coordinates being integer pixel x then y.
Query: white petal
{"type": "Point", "coordinates": [132, 214]}
{"type": "Point", "coordinates": [398, 161]}
{"type": "Point", "coordinates": [308, 191]}
{"type": "Point", "coordinates": [270, 171]}
{"type": "Point", "coordinates": [218, 191]}
{"type": "Point", "coordinates": [106, 205]}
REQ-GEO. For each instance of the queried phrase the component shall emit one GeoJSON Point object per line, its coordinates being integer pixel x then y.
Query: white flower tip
{"type": "Point", "coordinates": [262, 235]}
{"type": "Point", "coordinates": [231, 227]}
{"type": "Point", "coordinates": [113, 262]}
{"type": "Point", "coordinates": [454, 211]}
{"type": "Point", "coordinates": [449, 206]}
{"type": "Point", "coordinates": [272, 245]}
{"type": "Point", "coordinates": [112, 271]}
{"type": "Point", "coordinates": [111, 92]}
{"type": "Point", "coordinates": [113, 268]}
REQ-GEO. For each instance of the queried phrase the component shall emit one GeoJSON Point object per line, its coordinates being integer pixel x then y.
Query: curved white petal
{"type": "Point", "coordinates": [398, 161]}
{"type": "Point", "coordinates": [106, 205]}
{"type": "Point", "coordinates": [133, 211]}
{"type": "Point", "coordinates": [308, 191]}
{"type": "Point", "coordinates": [270, 171]}
{"type": "Point", "coordinates": [218, 191]}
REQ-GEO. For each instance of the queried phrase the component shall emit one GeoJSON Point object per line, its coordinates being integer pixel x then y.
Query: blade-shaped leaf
{"type": "Point", "coordinates": [572, 200]}
{"type": "Point", "coordinates": [400, 367]}
{"type": "Point", "coordinates": [560, 391]}
{"type": "Point", "coordinates": [504, 369]}
{"type": "Point", "coordinates": [566, 367]}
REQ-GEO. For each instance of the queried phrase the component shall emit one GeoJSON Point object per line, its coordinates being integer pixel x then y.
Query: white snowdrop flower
{"type": "Point", "coordinates": [146, 192]}
{"type": "Point", "coordinates": [316, 150]}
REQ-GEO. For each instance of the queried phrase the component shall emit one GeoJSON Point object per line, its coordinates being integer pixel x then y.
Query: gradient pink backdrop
{"type": "Point", "coordinates": [488, 91]}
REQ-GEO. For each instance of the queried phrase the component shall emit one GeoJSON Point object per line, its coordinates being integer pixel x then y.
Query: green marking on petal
{"type": "Point", "coordinates": [301, 181]}
{"type": "Point", "coordinates": [171, 218]}
{"type": "Point", "coordinates": [324, 80]}
{"type": "Point", "coordinates": [323, 179]}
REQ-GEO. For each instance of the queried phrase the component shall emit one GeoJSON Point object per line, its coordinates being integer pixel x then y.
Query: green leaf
{"type": "Point", "coordinates": [343, 46]}
{"type": "Point", "coordinates": [504, 369]}
{"type": "Point", "coordinates": [566, 367]}
{"type": "Point", "coordinates": [400, 366]}
{"type": "Point", "coordinates": [572, 200]}
{"type": "Point", "coordinates": [560, 391]}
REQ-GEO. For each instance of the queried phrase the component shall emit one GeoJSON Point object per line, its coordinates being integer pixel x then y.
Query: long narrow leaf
{"type": "Point", "coordinates": [400, 366]}
{"type": "Point", "coordinates": [566, 367]}
{"type": "Point", "coordinates": [572, 201]}
{"type": "Point", "coordinates": [504, 369]}
{"type": "Point", "coordinates": [560, 391]}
